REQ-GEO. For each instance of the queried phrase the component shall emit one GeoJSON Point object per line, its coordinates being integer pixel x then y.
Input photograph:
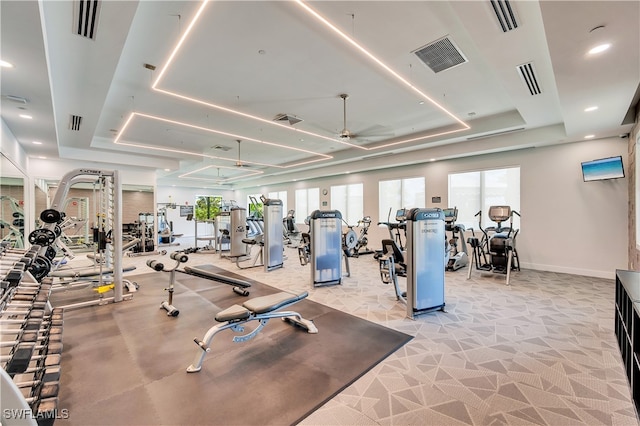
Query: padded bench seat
{"type": "Point", "coordinates": [259, 305]}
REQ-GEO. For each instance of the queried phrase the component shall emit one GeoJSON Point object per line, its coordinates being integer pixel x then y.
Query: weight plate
{"type": "Point", "coordinates": [50, 216]}
{"type": "Point", "coordinates": [40, 268]}
{"type": "Point", "coordinates": [42, 237]}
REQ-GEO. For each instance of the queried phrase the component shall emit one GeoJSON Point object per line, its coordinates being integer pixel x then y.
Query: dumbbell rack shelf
{"type": "Point", "coordinates": [627, 327]}
{"type": "Point", "coordinates": [30, 342]}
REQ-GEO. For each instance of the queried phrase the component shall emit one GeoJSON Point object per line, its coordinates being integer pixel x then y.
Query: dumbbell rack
{"type": "Point", "coordinates": [30, 342]}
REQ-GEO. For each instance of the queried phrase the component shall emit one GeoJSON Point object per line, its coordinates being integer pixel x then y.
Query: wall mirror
{"type": "Point", "coordinates": [12, 196]}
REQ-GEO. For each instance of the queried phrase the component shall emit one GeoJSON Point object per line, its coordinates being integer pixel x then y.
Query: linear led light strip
{"type": "Point", "coordinates": [345, 37]}
{"type": "Point", "coordinates": [379, 62]}
{"type": "Point", "coordinates": [222, 108]}
{"type": "Point", "coordinates": [235, 136]}
{"type": "Point", "coordinates": [218, 178]}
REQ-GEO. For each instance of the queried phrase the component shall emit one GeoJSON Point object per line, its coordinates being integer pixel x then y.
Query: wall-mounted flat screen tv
{"type": "Point", "coordinates": [603, 169]}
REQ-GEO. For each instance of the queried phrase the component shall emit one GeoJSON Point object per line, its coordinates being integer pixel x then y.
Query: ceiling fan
{"type": "Point", "coordinates": [346, 134]}
{"type": "Point", "coordinates": [239, 162]}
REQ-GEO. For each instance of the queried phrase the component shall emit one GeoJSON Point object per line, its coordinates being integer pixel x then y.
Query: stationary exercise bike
{"type": "Point", "coordinates": [363, 241]}
{"type": "Point", "coordinates": [457, 259]}
{"type": "Point", "coordinates": [353, 244]}
{"type": "Point", "coordinates": [496, 250]}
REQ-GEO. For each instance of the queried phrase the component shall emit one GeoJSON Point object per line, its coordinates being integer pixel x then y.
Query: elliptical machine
{"type": "Point", "coordinates": [291, 234]}
{"type": "Point", "coordinates": [399, 224]}
{"type": "Point", "coordinates": [496, 251]}
{"type": "Point", "coordinates": [457, 259]}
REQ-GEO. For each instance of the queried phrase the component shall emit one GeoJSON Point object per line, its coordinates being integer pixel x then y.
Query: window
{"type": "Point", "coordinates": [307, 201]}
{"type": "Point", "coordinates": [207, 206]}
{"type": "Point", "coordinates": [474, 191]}
{"type": "Point", "coordinates": [348, 199]}
{"type": "Point", "coordinates": [282, 196]}
{"type": "Point", "coordinates": [394, 195]}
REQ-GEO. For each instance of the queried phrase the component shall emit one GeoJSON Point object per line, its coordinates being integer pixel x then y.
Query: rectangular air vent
{"type": "Point", "coordinates": [528, 75]}
{"type": "Point", "coordinates": [440, 55]}
{"type": "Point", "coordinates": [74, 122]}
{"type": "Point", "coordinates": [85, 17]}
{"type": "Point", "coordinates": [505, 15]}
{"type": "Point", "coordinates": [291, 119]}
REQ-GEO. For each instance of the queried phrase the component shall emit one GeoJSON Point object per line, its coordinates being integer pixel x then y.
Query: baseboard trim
{"type": "Point", "coordinates": [567, 270]}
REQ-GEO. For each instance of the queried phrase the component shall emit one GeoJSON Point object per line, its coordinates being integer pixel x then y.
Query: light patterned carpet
{"type": "Point", "coordinates": [539, 352]}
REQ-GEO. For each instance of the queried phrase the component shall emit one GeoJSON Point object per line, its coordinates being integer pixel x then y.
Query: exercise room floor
{"type": "Point", "coordinates": [541, 351]}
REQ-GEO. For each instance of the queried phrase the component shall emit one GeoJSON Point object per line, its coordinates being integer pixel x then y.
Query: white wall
{"type": "Point", "coordinates": [187, 196]}
{"type": "Point", "coordinates": [567, 225]}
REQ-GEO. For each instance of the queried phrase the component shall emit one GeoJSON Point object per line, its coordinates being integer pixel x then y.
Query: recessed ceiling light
{"type": "Point", "coordinates": [167, 170]}
{"type": "Point", "coordinates": [37, 143]}
{"type": "Point", "coordinates": [432, 159]}
{"type": "Point", "coordinates": [42, 158]}
{"type": "Point", "coordinates": [5, 64]}
{"type": "Point", "coordinates": [600, 48]}
{"type": "Point", "coordinates": [590, 136]}
{"type": "Point", "coordinates": [591, 108]}
{"type": "Point", "coordinates": [28, 117]}
{"type": "Point", "coordinates": [421, 102]}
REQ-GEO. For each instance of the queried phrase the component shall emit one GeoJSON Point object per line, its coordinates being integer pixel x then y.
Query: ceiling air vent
{"type": "Point", "coordinates": [440, 55]}
{"type": "Point", "coordinates": [528, 75]}
{"type": "Point", "coordinates": [291, 119]}
{"type": "Point", "coordinates": [74, 122]}
{"type": "Point", "coordinates": [504, 13]}
{"type": "Point", "coordinates": [85, 17]}
{"type": "Point", "coordinates": [16, 99]}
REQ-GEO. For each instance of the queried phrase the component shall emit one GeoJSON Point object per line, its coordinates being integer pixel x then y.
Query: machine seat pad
{"type": "Point", "coordinates": [235, 312]}
{"type": "Point", "coordinates": [272, 302]}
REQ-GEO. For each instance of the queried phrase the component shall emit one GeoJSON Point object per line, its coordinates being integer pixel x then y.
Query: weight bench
{"type": "Point", "coordinates": [260, 309]}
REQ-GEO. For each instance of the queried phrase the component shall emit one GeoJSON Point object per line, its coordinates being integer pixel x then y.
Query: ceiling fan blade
{"type": "Point", "coordinates": [376, 130]}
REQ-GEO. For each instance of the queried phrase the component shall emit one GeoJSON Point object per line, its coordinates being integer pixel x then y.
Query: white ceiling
{"type": "Point", "coordinates": [239, 64]}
